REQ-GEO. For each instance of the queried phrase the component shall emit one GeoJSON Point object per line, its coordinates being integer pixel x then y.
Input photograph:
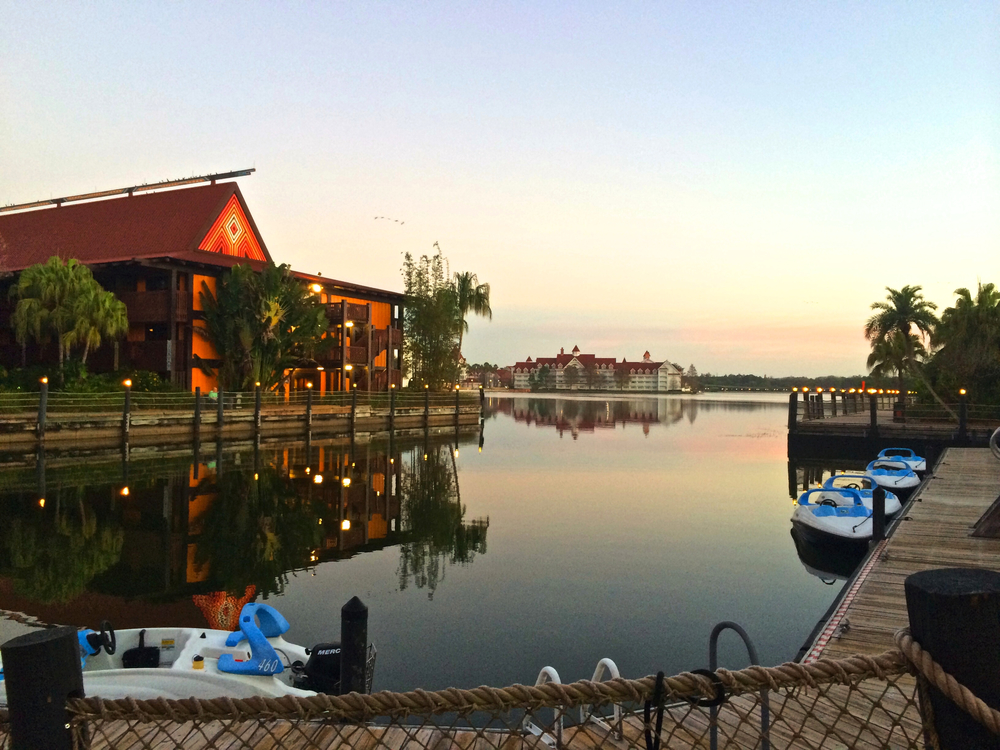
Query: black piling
{"type": "Point", "coordinates": [43, 407]}
{"type": "Point", "coordinates": [873, 416]}
{"type": "Point", "coordinates": [456, 406]}
{"type": "Point", "coordinates": [353, 646]}
{"type": "Point", "coordinates": [41, 671]}
{"type": "Point", "coordinates": [392, 408]}
{"type": "Point", "coordinates": [220, 409]}
{"type": "Point", "coordinates": [309, 410]}
{"type": "Point", "coordinates": [963, 420]}
{"type": "Point", "coordinates": [197, 411]}
{"type": "Point", "coordinates": [427, 406]}
{"type": "Point", "coordinates": [793, 411]}
{"type": "Point", "coordinates": [955, 617]}
{"type": "Point", "coordinates": [127, 413]}
{"type": "Point", "coordinates": [256, 411]}
{"type": "Point", "coordinates": [878, 514]}
{"type": "Point", "coordinates": [354, 405]}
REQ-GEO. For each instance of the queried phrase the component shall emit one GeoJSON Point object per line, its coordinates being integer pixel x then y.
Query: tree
{"type": "Point", "coordinates": [622, 377]}
{"type": "Point", "coordinates": [592, 376]}
{"type": "Point", "coordinates": [433, 322]}
{"type": "Point", "coordinates": [98, 314]}
{"type": "Point", "coordinates": [904, 311]}
{"type": "Point", "coordinates": [539, 379]}
{"type": "Point", "coordinates": [261, 325]}
{"type": "Point", "coordinates": [891, 357]}
{"type": "Point", "coordinates": [571, 376]}
{"type": "Point", "coordinates": [472, 297]}
{"type": "Point", "coordinates": [968, 343]}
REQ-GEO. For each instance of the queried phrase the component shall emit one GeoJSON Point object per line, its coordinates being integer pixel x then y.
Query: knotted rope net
{"type": "Point", "coordinates": [859, 701]}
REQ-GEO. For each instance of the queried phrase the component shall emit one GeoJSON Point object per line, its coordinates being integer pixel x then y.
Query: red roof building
{"type": "Point", "coordinates": [578, 371]}
{"type": "Point", "coordinates": [157, 251]}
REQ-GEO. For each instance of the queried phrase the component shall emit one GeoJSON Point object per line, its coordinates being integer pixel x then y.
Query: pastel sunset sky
{"type": "Point", "coordinates": [728, 184]}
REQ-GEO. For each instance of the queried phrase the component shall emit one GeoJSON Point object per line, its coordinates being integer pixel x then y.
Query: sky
{"type": "Point", "coordinates": [729, 185]}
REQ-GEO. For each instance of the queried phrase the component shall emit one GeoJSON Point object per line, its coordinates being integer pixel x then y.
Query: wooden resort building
{"type": "Point", "coordinates": [576, 371]}
{"type": "Point", "coordinates": [157, 247]}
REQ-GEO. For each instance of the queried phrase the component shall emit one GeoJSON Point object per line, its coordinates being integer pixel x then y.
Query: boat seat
{"type": "Point", "coordinates": [263, 658]}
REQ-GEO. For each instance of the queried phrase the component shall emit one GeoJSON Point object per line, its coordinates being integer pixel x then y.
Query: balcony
{"type": "Point", "coordinates": [356, 355]}
{"type": "Point", "coordinates": [154, 307]}
{"type": "Point", "coordinates": [355, 313]}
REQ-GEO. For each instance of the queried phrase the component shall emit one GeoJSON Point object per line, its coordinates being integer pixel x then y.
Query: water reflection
{"type": "Point", "coordinates": [190, 541]}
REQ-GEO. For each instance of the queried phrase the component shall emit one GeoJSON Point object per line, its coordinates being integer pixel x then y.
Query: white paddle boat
{"type": "Point", "coordinates": [864, 485]}
{"type": "Point", "coordinates": [825, 515]}
{"type": "Point", "coordinates": [892, 474]}
{"type": "Point", "coordinates": [915, 463]}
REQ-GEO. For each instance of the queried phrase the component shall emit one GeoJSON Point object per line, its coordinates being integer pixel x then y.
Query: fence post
{"type": "Point", "coordinates": [878, 514]}
{"type": "Point", "coordinates": [482, 402]}
{"type": "Point", "coordinates": [955, 617]}
{"type": "Point", "coordinates": [41, 670]}
{"type": "Point", "coordinates": [197, 410]}
{"type": "Point", "coordinates": [963, 419]}
{"type": "Point", "coordinates": [256, 410]}
{"type": "Point", "coordinates": [127, 411]}
{"type": "Point", "coordinates": [456, 406]}
{"type": "Point", "coordinates": [392, 407]}
{"type": "Point", "coordinates": [427, 406]}
{"type": "Point", "coordinates": [873, 415]}
{"type": "Point", "coordinates": [43, 407]}
{"type": "Point", "coordinates": [354, 405]}
{"type": "Point", "coordinates": [833, 402]}
{"type": "Point", "coordinates": [220, 409]}
{"type": "Point", "coordinates": [309, 407]}
{"type": "Point", "coordinates": [793, 411]}
{"type": "Point", "coordinates": [353, 646]}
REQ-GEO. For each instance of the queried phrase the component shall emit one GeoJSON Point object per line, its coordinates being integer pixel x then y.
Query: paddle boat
{"type": "Point", "coordinates": [916, 463]}
{"type": "Point", "coordinates": [864, 485]}
{"type": "Point", "coordinates": [892, 474]}
{"type": "Point", "coordinates": [181, 663]}
{"type": "Point", "coordinates": [832, 515]}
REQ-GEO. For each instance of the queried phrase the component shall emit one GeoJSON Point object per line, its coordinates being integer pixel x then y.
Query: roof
{"type": "Point", "coordinates": [167, 224]}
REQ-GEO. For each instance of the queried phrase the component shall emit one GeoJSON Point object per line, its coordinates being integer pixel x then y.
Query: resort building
{"type": "Point", "coordinates": [157, 247]}
{"type": "Point", "coordinates": [576, 371]}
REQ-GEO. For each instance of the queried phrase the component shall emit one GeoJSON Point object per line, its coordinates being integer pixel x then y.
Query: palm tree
{"type": "Point", "coordinates": [891, 357]}
{"type": "Point", "coordinates": [903, 311]}
{"type": "Point", "coordinates": [98, 314]}
{"type": "Point", "coordinates": [472, 297]}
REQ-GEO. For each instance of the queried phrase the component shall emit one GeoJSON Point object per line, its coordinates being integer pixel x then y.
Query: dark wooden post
{"type": "Point", "coordinates": [220, 409]}
{"type": "Point", "coordinates": [309, 407]}
{"type": "Point", "coordinates": [456, 407]}
{"type": "Point", "coordinates": [197, 410]}
{"type": "Point", "coordinates": [41, 671]}
{"type": "Point", "coordinates": [256, 410]}
{"type": "Point", "coordinates": [43, 407]}
{"type": "Point", "coordinates": [793, 411]}
{"type": "Point", "coordinates": [873, 415]}
{"type": "Point", "coordinates": [955, 617]}
{"type": "Point", "coordinates": [833, 402]}
{"type": "Point", "coordinates": [369, 359]}
{"type": "Point", "coordinates": [482, 402]}
{"type": "Point", "coordinates": [427, 406]}
{"type": "Point", "coordinates": [388, 356]}
{"type": "Point", "coordinates": [127, 411]}
{"type": "Point", "coordinates": [878, 514]}
{"type": "Point", "coordinates": [963, 420]}
{"type": "Point", "coordinates": [353, 646]}
{"type": "Point", "coordinates": [392, 407]}
{"type": "Point", "coordinates": [343, 345]}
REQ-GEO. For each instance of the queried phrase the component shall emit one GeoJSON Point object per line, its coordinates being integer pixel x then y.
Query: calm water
{"type": "Point", "coordinates": [584, 528]}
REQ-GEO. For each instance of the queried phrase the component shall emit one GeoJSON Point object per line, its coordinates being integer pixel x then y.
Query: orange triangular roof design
{"type": "Point", "coordinates": [233, 234]}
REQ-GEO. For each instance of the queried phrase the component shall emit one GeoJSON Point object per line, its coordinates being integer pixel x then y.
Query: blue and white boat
{"type": "Point", "coordinates": [825, 515]}
{"type": "Point", "coordinates": [916, 463]}
{"type": "Point", "coordinates": [865, 485]}
{"type": "Point", "coordinates": [180, 663]}
{"type": "Point", "coordinates": [892, 474]}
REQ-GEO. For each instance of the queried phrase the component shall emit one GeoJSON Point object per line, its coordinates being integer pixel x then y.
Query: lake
{"type": "Point", "coordinates": [583, 528]}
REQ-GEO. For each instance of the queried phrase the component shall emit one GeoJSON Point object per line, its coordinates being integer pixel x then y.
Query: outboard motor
{"type": "Point", "coordinates": [322, 672]}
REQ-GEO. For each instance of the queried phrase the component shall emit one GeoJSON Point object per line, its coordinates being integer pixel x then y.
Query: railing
{"type": "Point", "coordinates": [552, 738]}
{"type": "Point", "coordinates": [355, 313]}
{"type": "Point", "coordinates": [713, 665]}
{"type": "Point", "coordinates": [154, 307]}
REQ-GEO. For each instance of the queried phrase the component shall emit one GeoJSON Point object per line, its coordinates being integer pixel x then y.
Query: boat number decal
{"type": "Point", "coordinates": [269, 665]}
{"type": "Point", "coordinates": [166, 644]}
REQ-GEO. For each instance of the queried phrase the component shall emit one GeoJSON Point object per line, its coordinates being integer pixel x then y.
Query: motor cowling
{"type": "Point", "coordinates": [321, 672]}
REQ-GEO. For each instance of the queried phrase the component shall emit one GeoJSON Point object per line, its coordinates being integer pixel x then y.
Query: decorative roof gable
{"type": "Point", "coordinates": [232, 234]}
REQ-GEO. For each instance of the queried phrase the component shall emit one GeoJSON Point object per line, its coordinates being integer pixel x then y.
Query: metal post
{"type": "Point", "coordinates": [220, 409]}
{"type": "Point", "coordinates": [878, 514]}
{"type": "Point", "coordinates": [955, 617]}
{"type": "Point", "coordinates": [309, 409]}
{"type": "Point", "coordinates": [197, 410]}
{"type": "Point", "coordinates": [256, 410]}
{"type": "Point", "coordinates": [41, 671]}
{"type": "Point", "coordinates": [963, 420]}
{"type": "Point", "coordinates": [353, 646]}
{"type": "Point", "coordinates": [427, 406]}
{"type": "Point", "coordinates": [873, 415]}
{"type": "Point", "coordinates": [713, 663]}
{"type": "Point", "coordinates": [793, 411]}
{"type": "Point", "coordinates": [43, 407]}
{"type": "Point", "coordinates": [392, 407]}
{"type": "Point", "coordinates": [127, 413]}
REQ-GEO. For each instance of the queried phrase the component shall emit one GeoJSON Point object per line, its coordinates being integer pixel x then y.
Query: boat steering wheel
{"type": "Point", "coordinates": [852, 486]}
{"type": "Point", "coordinates": [108, 640]}
{"type": "Point", "coordinates": [829, 502]}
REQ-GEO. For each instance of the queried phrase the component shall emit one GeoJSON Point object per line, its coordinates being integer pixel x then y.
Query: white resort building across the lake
{"type": "Point", "coordinates": [576, 371]}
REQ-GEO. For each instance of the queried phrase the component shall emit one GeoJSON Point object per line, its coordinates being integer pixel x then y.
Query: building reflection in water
{"type": "Point", "coordinates": [577, 416]}
{"type": "Point", "coordinates": [189, 542]}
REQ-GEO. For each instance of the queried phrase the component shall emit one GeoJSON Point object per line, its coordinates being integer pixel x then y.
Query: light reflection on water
{"type": "Point", "coordinates": [616, 527]}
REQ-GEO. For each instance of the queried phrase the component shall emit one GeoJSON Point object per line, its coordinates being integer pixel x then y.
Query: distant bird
{"type": "Point", "coordinates": [389, 218]}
